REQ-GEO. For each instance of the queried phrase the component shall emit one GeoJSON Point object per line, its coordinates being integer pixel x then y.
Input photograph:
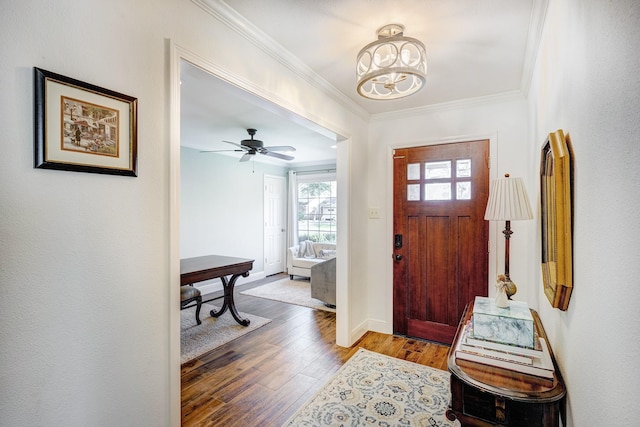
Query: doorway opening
{"type": "Point", "coordinates": [179, 55]}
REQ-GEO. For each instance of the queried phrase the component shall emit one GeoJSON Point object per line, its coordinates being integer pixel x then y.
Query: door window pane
{"type": "Point", "coordinates": [413, 192]}
{"type": "Point", "coordinates": [438, 191]}
{"type": "Point", "coordinates": [437, 170]}
{"type": "Point", "coordinates": [463, 168]}
{"type": "Point", "coordinates": [413, 171]}
{"type": "Point", "coordinates": [463, 190]}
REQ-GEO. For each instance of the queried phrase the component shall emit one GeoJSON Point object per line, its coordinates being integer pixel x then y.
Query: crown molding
{"type": "Point", "coordinates": [239, 24]}
{"type": "Point", "coordinates": [514, 95]}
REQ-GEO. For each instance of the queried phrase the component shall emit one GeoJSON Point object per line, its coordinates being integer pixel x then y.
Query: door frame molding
{"type": "Point", "coordinates": [344, 328]}
{"type": "Point", "coordinates": [284, 205]}
{"type": "Point", "coordinates": [493, 173]}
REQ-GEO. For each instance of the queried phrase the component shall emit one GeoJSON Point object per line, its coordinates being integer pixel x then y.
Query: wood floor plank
{"type": "Point", "coordinates": [284, 397]}
{"type": "Point", "coordinates": [263, 377]}
{"type": "Point", "coordinates": [198, 410]}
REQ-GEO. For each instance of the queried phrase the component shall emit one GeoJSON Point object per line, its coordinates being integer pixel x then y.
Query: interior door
{"type": "Point", "coordinates": [274, 224]}
{"type": "Point", "coordinates": [440, 236]}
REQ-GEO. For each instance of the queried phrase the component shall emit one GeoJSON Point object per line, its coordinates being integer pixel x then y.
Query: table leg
{"type": "Point", "coordinates": [229, 303]}
{"type": "Point", "coordinates": [225, 304]}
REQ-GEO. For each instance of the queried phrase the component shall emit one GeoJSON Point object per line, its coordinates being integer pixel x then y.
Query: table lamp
{"type": "Point", "coordinates": [508, 202]}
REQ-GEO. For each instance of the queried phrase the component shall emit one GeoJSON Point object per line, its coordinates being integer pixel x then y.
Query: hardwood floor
{"type": "Point", "coordinates": [262, 378]}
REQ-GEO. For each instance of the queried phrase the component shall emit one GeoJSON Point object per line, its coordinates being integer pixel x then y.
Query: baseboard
{"type": "Point", "coordinates": [370, 325]}
{"type": "Point", "coordinates": [358, 332]}
{"type": "Point", "coordinates": [215, 285]}
{"type": "Point", "coordinates": [380, 326]}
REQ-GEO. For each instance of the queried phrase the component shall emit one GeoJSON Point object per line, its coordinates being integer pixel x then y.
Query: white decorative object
{"type": "Point", "coordinates": [501, 298]}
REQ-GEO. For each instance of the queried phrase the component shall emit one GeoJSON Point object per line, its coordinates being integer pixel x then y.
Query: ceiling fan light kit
{"type": "Point", "coordinates": [251, 147]}
{"type": "Point", "coordinates": [392, 67]}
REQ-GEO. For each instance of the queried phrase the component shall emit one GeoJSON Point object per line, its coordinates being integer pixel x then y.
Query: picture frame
{"type": "Point", "coordinates": [556, 219]}
{"type": "Point", "coordinates": [82, 127]}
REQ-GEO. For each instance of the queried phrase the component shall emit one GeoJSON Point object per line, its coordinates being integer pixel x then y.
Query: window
{"type": "Point", "coordinates": [438, 180]}
{"type": "Point", "coordinates": [317, 209]}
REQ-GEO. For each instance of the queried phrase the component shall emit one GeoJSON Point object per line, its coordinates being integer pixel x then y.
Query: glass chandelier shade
{"type": "Point", "coordinates": [394, 66]}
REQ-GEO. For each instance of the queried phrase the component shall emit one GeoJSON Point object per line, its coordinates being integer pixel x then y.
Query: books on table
{"type": "Point", "coordinates": [536, 361]}
{"type": "Point", "coordinates": [505, 348]}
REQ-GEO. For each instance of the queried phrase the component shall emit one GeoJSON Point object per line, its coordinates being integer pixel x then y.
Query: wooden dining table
{"type": "Point", "coordinates": [227, 269]}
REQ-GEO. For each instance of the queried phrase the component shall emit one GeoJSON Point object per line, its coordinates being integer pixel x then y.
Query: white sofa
{"type": "Point", "coordinates": [300, 258]}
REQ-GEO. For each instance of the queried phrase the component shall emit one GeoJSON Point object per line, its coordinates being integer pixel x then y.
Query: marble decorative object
{"type": "Point", "coordinates": [512, 325]}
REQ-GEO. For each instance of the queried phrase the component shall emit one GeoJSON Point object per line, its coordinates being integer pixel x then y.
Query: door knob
{"type": "Point", "coordinates": [398, 257]}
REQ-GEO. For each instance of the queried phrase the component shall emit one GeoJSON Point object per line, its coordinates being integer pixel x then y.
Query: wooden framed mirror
{"type": "Point", "coordinates": [556, 215]}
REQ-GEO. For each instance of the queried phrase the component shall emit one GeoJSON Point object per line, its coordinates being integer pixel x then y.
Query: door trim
{"type": "Point", "coordinates": [344, 329]}
{"type": "Point", "coordinates": [493, 161]}
{"type": "Point", "coordinates": [283, 209]}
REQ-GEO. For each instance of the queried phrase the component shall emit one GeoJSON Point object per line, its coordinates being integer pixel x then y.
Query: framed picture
{"type": "Point", "coordinates": [556, 218]}
{"type": "Point", "coordinates": [82, 127]}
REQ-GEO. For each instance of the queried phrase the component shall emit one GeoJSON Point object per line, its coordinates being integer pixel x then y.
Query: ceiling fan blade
{"type": "Point", "coordinates": [246, 157]}
{"type": "Point", "coordinates": [218, 151]}
{"type": "Point", "coordinates": [280, 148]}
{"type": "Point", "coordinates": [237, 145]}
{"type": "Point", "coordinates": [277, 155]}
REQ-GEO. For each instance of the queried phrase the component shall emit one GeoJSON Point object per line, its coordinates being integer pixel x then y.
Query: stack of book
{"type": "Point", "coordinates": [533, 361]}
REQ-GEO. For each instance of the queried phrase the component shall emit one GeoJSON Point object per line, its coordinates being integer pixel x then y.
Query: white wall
{"type": "Point", "coordinates": [83, 274]}
{"type": "Point", "coordinates": [222, 206]}
{"type": "Point", "coordinates": [86, 293]}
{"type": "Point", "coordinates": [586, 83]}
{"type": "Point", "coordinates": [502, 119]}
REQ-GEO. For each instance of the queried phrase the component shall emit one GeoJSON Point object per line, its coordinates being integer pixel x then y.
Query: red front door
{"type": "Point", "coordinates": [440, 236]}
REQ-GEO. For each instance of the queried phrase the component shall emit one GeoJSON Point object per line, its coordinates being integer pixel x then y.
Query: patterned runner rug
{"type": "Point", "coordinates": [296, 292]}
{"type": "Point", "coordinates": [372, 389]}
{"type": "Point", "coordinates": [196, 340]}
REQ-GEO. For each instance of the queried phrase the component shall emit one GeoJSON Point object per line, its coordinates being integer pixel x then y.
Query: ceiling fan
{"type": "Point", "coordinates": [253, 146]}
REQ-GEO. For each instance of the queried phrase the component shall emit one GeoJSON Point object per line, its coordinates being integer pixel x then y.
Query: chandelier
{"type": "Point", "coordinates": [392, 67]}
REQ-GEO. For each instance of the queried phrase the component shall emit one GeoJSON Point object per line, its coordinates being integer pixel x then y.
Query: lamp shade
{"type": "Point", "coordinates": [508, 200]}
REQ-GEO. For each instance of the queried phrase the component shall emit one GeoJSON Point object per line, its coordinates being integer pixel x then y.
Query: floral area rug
{"type": "Point", "coordinates": [372, 389]}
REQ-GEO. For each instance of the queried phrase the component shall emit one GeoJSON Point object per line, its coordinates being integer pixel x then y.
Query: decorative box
{"type": "Point", "coordinates": [512, 325]}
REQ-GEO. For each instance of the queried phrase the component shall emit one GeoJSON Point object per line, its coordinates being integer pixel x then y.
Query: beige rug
{"type": "Point", "coordinates": [196, 340]}
{"type": "Point", "coordinates": [296, 292]}
{"type": "Point", "coordinates": [376, 390]}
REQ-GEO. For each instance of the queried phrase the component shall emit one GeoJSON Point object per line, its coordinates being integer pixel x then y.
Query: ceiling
{"type": "Point", "coordinates": [213, 111]}
{"type": "Point", "coordinates": [475, 49]}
